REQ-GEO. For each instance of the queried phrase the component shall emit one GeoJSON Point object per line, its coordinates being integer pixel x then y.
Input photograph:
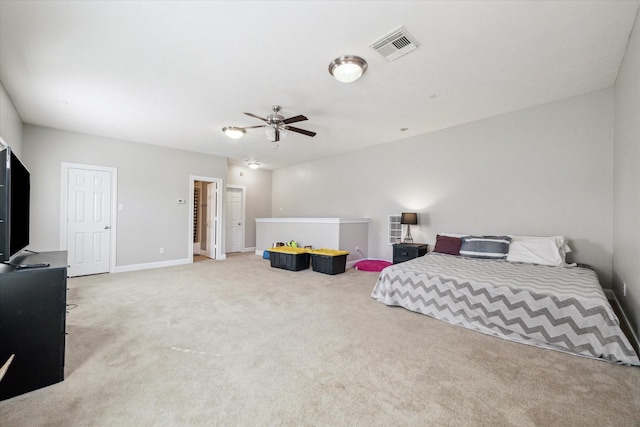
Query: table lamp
{"type": "Point", "coordinates": [409, 218]}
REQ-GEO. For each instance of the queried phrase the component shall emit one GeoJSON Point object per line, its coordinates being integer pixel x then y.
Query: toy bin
{"type": "Point", "coordinates": [328, 261]}
{"type": "Point", "coordinates": [293, 259]}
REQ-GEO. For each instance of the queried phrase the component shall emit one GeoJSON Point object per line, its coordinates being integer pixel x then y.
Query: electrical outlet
{"type": "Point", "coordinates": [161, 251]}
{"type": "Point", "coordinates": [357, 248]}
{"type": "Point", "coordinates": [624, 289]}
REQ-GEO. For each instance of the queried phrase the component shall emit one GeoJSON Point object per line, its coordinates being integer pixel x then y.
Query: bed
{"type": "Point", "coordinates": [558, 307]}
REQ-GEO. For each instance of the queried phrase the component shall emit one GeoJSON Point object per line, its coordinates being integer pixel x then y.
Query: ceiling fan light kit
{"type": "Point", "coordinates": [253, 165]}
{"type": "Point", "coordinates": [347, 68]}
{"type": "Point", "coordinates": [274, 133]}
{"type": "Point", "coordinates": [233, 132]}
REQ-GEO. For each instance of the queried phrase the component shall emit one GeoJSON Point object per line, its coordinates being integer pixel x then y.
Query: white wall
{"type": "Point", "coordinates": [150, 180]}
{"type": "Point", "coordinates": [10, 123]}
{"type": "Point", "coordinates": [541, 171]}
{"type": "Point", "coordinates": [626, 173]}
{"type": "Point", "coordinates": [258, 197]}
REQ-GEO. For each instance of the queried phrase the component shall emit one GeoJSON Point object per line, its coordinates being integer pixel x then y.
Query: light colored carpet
{"type": "Point", "coordinates": [236, 342]}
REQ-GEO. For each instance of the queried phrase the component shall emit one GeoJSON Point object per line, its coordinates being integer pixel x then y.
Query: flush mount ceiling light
{"type": "Point", "coordinates": [253, 165]}
{"type": "Point", "coordinates": [233, 132]}
{"type": "Point", "coordinates": [347, 69]}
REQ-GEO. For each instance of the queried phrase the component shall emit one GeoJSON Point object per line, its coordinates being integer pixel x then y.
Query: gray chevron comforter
{"type": "Point", "coordinates": [559, 308]}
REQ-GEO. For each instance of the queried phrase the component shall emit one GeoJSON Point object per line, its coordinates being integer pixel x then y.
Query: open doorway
{"type": "Point", "coordinates": [205, 237]}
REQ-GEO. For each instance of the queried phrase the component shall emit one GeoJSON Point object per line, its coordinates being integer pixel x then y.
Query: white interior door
{"type": "Point", "coordinates": [88, 221]}
{"type": "Point", "coordinates": [211, 219]}
{"type": "Point", "coordinates": [234, 225]}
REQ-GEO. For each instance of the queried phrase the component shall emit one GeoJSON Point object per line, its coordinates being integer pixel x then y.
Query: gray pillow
{"type": "Point", "coordinates": [486, 247]}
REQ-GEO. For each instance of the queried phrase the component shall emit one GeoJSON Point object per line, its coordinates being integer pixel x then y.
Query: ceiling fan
{"type": "Point", "coordinates": [276, 125]}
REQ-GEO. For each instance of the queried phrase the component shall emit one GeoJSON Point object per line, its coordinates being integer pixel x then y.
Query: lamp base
{"type": "Point", "coordinates": [408, 238]}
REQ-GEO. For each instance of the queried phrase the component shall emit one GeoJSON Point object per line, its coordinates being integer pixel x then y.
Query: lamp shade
{"type": "Point", "coordinates": [271, 133]}
{"type": "Point", "coordinates": [409, 218]}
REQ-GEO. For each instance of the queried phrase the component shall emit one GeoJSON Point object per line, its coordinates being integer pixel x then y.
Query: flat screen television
{"type": "Point", "coordinates": [15, 189]}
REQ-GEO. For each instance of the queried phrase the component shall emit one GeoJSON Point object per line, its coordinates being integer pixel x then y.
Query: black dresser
{"type": "Point", "coordinates": [33, 304]}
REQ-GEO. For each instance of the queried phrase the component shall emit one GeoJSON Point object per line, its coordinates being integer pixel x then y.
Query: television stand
{"type": "Point", "coordinates": [33, 304]}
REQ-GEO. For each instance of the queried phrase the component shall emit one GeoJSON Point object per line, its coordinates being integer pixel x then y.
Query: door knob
{"type": "Point", "coordinates": [106, 227]}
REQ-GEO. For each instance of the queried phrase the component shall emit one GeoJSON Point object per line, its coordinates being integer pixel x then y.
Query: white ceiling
{"type": "Point", "coordinates": [174, 73]}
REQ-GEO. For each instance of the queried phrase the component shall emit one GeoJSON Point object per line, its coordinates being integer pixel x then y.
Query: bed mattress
{"type": "Point", "coordinates": [561, 308]}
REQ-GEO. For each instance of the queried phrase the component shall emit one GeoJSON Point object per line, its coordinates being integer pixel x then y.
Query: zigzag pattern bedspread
{"type": "Point", "coordinates": [559, 308]}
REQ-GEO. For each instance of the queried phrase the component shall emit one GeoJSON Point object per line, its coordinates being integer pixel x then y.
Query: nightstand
{"type": "Point", "coordinates": [406, 251]}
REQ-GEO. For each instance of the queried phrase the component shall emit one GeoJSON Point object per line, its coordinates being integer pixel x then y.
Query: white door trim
{"type": "Point", "coordinates": [64, 194]}
{"type": "Point", "coordinates": [206, 220]}
{"type": "Point", "coordinates": [243, 188]}
{"type": "Point", "coordinates": [219, 252]}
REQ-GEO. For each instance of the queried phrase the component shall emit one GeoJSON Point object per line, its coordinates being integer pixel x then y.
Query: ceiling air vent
{"type": "Point", "coordinates": [395, 44]}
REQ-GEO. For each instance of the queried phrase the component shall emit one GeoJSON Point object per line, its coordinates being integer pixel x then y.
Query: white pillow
{"type": "Point", "coordinates": [538, 250]}
{"type": "Point", "coordinates": [560, 241]}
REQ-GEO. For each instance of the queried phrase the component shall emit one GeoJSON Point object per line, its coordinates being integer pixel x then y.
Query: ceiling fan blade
{"type": "Point", "coordinates": [277, 135]}
{"type": "Point", "coordinates": [302, 131]}
{"type": "Point", "coordinates": [257, 117]}
{"type": "Point", "coordinates": [300, 118]}
{"type": "Point", "coordinates": [253, 127]}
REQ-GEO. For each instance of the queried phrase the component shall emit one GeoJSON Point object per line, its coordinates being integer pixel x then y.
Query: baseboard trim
{"type": "Point", "coordinates": [150, 265]}
{"type": "Point", "coordinates": [612, 297]}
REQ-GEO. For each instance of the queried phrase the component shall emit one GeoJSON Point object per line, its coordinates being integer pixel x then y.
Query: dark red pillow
{"type": "Point", "coordinates": [448, 245]}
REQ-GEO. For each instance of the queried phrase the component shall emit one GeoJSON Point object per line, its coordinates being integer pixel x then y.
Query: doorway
{"type": "Point", "coordinates": [88, 217]}
{"type": "Point", "coordinates": [205, 224]}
